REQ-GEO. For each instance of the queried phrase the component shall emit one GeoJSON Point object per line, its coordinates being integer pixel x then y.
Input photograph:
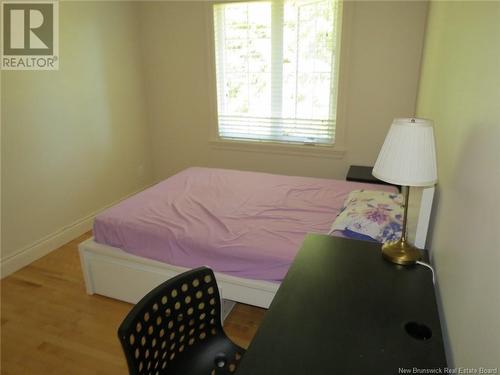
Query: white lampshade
{"type": "Point", "coordinates": [408, 155]}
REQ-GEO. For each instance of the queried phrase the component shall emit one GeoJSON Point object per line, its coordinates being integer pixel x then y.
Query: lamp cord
{"type": "Point", "coordinates": [429, 267]}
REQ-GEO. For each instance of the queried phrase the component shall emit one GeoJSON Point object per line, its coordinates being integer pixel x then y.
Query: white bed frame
{"type": "Point", "coordinates": [114, 273]}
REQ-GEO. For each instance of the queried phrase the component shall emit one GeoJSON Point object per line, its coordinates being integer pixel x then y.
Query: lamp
{"type": "Point", "coordinates": [407, 158]}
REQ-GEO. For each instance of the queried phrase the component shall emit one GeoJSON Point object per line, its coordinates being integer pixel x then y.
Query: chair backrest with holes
{"type": "Point", "coordinates": [175, 316]}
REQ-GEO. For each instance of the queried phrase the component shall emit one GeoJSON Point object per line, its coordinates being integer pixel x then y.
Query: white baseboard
{"type": "Point", "coordinates": [45, 245]}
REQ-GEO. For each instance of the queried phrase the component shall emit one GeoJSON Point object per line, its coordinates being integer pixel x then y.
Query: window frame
{"type": "Point", "coordinates": [332, 150]}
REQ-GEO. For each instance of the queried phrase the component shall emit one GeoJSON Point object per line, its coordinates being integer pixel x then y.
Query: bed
{"type": "Point", "coordinates": [246, 226]}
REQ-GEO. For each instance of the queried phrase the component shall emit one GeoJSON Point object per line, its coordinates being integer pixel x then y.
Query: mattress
{"type": "Point", "coordinates": [244, 224]}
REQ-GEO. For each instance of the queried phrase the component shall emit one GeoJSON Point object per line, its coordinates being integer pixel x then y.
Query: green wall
{"type": "Point", "coordinates": [460, 91]}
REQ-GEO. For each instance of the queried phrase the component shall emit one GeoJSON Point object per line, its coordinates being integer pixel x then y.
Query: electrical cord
{"type": "Point", "coordinates": [429, 267]}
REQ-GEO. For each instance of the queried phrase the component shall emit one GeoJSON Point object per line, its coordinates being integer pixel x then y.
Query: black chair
{"type": "Point", "coordinates": [176, 329]}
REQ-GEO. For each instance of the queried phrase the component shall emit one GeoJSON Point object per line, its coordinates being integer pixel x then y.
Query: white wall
{"type": "Point", "coordinates": [460, 91]}
{"type": "Point", "coordinates": [380, 63]}
{"type": "Point", "coordinates": [73, 140]}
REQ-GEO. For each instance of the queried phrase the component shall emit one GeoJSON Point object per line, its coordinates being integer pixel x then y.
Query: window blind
{"type": "Point", "coordinates": [276, 68]}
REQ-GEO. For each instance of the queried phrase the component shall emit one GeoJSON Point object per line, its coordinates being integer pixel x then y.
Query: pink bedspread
{"type": "Point", "coordinates": [244, 224]}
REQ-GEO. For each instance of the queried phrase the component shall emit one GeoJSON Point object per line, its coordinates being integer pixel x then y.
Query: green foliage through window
{"type": "Point", "coordinates": [276, 64]}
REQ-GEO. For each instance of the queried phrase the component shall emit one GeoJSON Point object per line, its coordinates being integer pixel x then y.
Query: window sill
{"type": "Point", "coordinates": [319, 151]}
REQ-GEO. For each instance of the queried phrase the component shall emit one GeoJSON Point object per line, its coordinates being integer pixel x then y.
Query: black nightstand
{"type": "Point", "coordinates": [358, 173]}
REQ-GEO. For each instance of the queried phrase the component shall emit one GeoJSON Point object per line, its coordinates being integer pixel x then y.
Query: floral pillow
{"type": "Point", "coordinates": [371, 215]}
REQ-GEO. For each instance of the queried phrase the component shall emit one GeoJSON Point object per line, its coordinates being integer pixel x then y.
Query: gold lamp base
{"type": "Point", "coordinates": [400, 252]}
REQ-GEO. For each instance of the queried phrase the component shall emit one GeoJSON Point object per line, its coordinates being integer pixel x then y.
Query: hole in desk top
{"type": "Point", "coordinates": [418, 331]}
{"type": "Point", "coordinates": [220, 360]}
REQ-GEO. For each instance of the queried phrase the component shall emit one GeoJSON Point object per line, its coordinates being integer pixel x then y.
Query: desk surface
{"type": "Point", "coordinates": [342, 309]}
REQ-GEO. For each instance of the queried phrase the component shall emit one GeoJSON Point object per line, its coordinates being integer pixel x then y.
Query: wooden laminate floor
{"type": "Point", "coordinates": [49, 325]}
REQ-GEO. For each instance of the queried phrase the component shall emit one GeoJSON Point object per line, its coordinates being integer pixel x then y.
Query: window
{"type": "Point", "coordinates": [276, 66]}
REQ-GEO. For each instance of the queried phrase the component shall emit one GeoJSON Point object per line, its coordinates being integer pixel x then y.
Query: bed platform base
{"type": "Point", "coordinates": [112, 272]}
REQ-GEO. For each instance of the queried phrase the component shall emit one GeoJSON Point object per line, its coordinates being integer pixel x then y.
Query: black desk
{"type": "Point", "coordinates": [342, 309]}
